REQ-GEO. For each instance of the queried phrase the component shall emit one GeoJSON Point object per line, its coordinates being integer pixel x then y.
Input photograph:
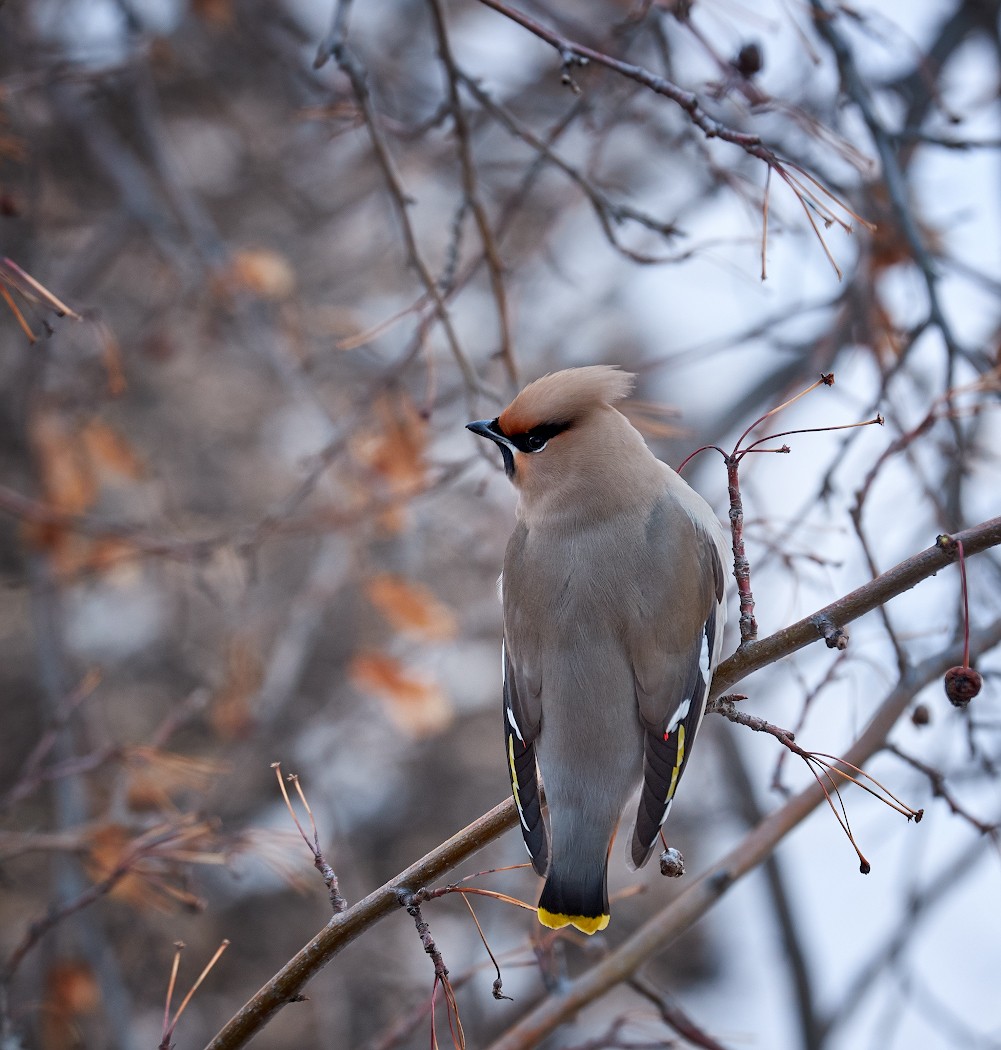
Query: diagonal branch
{"type": "Point", "coordinates": [868, 597]}
{"type": "Point", "coordinates": [683, 912]}
{"type": "Point", "coordinates": [342, 929]}
{"type": "Point", "coordinates": [572, 52]}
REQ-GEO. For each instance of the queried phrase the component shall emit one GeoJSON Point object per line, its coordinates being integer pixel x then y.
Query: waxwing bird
{"type": "Point", "coordinates": [613, 593]}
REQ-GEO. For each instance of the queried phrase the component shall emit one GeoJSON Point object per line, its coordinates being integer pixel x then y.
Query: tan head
{"type": "Point", "coordinates": [566, 447]}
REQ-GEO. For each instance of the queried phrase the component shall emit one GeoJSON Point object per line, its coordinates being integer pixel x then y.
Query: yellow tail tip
{"type": "Point", "coordinates": [585, 923]}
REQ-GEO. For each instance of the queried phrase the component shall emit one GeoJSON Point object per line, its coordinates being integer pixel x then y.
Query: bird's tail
{"type": "Point", "coordinates": [576, 894]}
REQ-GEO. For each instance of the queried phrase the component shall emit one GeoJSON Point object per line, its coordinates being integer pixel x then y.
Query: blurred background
{"type": "Point", "coordinates": [262, 261]}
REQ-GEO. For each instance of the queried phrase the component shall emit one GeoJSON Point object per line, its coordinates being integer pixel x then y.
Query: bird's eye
{"type": "Point", "coordinates": [538, 437]}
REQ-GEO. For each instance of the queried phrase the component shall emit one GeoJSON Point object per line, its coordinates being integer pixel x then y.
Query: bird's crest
{"type": "Point", "coordinates": [564, 397]}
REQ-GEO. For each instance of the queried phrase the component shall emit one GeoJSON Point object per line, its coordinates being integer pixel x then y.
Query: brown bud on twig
{"type": "Point", "coordinates": [837, 639]}
{"type": "Point", "coordinates": [961, 685]}
{"type": "Point", "coordinates": [570, 60]}
{"type": "Point", "coordinates": [834, 637]}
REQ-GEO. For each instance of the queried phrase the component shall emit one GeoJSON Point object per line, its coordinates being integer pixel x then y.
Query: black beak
{"type": "Point", "coordinates": [489, 428]}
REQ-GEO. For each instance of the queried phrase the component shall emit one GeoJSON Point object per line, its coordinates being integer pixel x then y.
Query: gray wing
{"type": "Point", "coordinates": [675, 649]}
{"type": "Point", "coordinates": [521, 727]}
{"type": "Point", "coordinates": [523, 711]}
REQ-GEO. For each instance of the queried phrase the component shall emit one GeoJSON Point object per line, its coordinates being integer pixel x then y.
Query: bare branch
{"type": "Point", "coordinates": [655, 935]}
{"type": "Point", "coordinates": [345, 927]}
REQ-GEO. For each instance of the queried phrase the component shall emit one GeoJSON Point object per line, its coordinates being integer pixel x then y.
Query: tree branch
{"type": "Point", "coordinates": [683, 912]}
{"type": "Point", "coordinates": [345, 927]}
{"type": "Point", "coordinates": [864, 599]}
{"type": "Point", "coordinates": [572, 52]}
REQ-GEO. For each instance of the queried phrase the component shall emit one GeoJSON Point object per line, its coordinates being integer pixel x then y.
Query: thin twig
{"type": "Point", "coordinates": [498, 986]}
{"type": "Point", "coordinates": [824, 767]}
{"type": "Point", "coordinates": [34, 290]}
{"type": "Point", "coordinates": [608, 213]}
{"type": "Point", "coordinates": [30, 774]}
{"type": "Point", "coordinates": [165, 1033]}
{"type": "Point", "coordinates": [165, 1043]}
{"type": "Point", "coordinates": [335, 45]}
{"type": "Point", "coordinates": [470, 187]}
{"type": "Point", "coordinates": [573, 54]}
{"type": "Point", "coordinates": [940, 789]}
{"type": "Point", "coordinates": [41, 926]}
{"type": "Point", "coordinates": [337, 902]}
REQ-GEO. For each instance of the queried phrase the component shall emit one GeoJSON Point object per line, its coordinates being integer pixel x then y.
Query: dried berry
{"type": "Point", "coordinates": [749, 60]}
{"type": "Point", "coordinates": [961, 685]}
{"type": "Point", "coordinates": [921, 716]}
{"type": "Point", "coordinates": [672, 863]}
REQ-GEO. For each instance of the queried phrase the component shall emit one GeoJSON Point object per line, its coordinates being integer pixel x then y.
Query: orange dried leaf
{"type": "Point", "coordinates": [72, 555]}
{"type": "Point", "coordinates": [392, 520]}
{"type": "Point", "coordinates": [111, 358]}
{"type": "Point", "coordinates": [889, 244]}
{"type": "Point", "coordinates": [386, 675]}
{"type": "Point", "coordinates": [113, 552]}
{"type": "Point", "coordinates": [67, 474]}
{"type": "Point", "coordinates": [395, 449]}
{"type": "Point", "coordinates": [215, 12]}
{"type": "Point", "coordinates": [72, 460]}
{"type": "Point", "coordinates": [69, 554]}
{"type": "Point", "coordinates": [71, 992]}
{"type": "Point", "coordinates": [263, 273]}
{"type": "Point", "coordinates": [416, 704]}
{"type": "Point", "coordinates": [155, 776]}
{"type": "Point", "coordinates": [230, 709]}
{"type": "Point", "coordinates": [42, 535]}
{"type": "Point", "coordinates": [71, 988]}
{"type": "Point", "coordinates": [882, 333]}
{"type": "Point", "coordinates": [155, 861]}
{"type": "Point", "coordinates": [109, 451]}
{"type": "Point", "coordinates": [411, 607]}
{"type": "Point", "coordinates": [109, 848]}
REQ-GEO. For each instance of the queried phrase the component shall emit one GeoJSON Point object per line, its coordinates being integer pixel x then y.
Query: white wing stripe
{"type": "Point", "coordinates": [705, 656]}
{"type": "Point", "coordinates": [514, 724]}
{"type": "Point", "coordinates": [681, 713]}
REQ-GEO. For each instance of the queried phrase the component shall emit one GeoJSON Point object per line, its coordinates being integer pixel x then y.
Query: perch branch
{"type": "Point", "coordinates": [655, 935]}
{"type": "Point", "coordinates": [343, 928]}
